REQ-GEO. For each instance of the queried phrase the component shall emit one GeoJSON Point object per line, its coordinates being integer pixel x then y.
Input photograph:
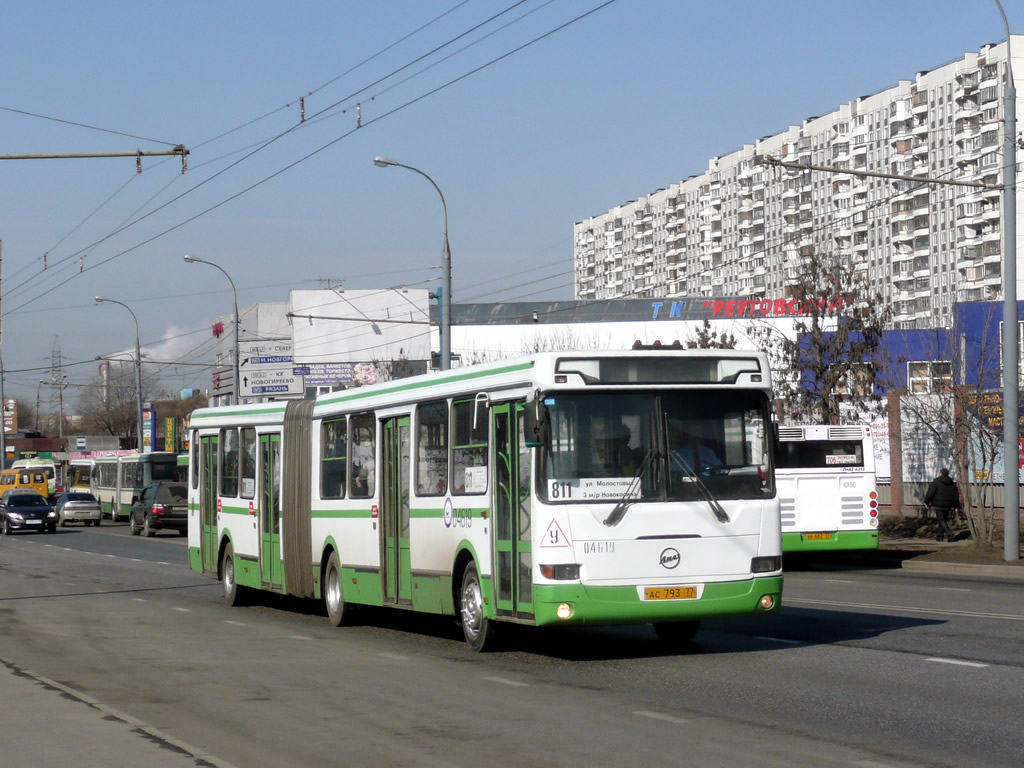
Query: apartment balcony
{"type": "Point", "coordinates": [989, 235]}
{"type": "Point", "coordinates": [901, 236]}
{"type": "Point", "coordinates": [920, 147]}
{"type": "Point", "coordinates": [966, 110]}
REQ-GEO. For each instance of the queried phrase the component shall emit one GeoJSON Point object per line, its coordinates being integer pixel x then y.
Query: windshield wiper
{"type": "Point", "coordinates": [623, 504]}
{"type": "Point", "coordinates": [718, 509]}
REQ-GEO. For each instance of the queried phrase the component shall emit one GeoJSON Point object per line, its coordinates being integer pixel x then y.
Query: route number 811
{"type": "Point", "coordinates": [560, 489]}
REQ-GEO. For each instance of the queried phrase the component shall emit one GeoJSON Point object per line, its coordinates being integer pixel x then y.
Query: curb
{"type": "Point", "coordinates": [964, 569]}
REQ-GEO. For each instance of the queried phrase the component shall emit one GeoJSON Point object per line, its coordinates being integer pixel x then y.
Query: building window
{"type": "Point", "coordinates": [929, 376]}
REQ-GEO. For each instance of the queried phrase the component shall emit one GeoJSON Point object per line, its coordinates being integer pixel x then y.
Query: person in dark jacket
{"type": "Point", "coordinates": [943, 496]}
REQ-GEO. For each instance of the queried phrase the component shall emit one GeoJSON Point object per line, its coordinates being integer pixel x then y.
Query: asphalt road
{"type": "Point", "coordinates": [864, 668]}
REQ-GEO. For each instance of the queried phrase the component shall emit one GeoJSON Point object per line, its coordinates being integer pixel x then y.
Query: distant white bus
{"type": "Point", "coordinates": [827, 492]}
{"type": "Point", "coordinates": [118, 481]}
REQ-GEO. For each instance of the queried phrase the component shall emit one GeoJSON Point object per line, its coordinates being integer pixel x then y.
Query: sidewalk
{"type": "Point", "coordinates": [49, 724]}
{"type": "Point", "coordinates": [910, 552]}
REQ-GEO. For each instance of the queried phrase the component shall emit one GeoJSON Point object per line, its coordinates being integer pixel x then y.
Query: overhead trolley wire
{"type": "Point", "coordinates": [326, 146]}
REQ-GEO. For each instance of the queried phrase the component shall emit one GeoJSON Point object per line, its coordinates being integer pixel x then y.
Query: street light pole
{"type": "Point", "coordinates": [446, 266]}
{"type": "Point", "coordinates": [238, 380]}
{"type": "Point", "coordinates": [1011, 376]}
{"type": "Point", "coordinates": [138, 371]}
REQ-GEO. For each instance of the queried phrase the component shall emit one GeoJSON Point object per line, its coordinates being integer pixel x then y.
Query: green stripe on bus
{"type": "Point", "coordinates": [345, 514]}
{"type": "Point", "coordinates": [225, 509]}
{"type": "Point", "coordinates": [243, 412]}
{"type": "Point", "coordinates": [622, 605]}
{"type": "Point", "coordinates": [839, 541]}
{"type": "Point", "coordinates": [432, 381]}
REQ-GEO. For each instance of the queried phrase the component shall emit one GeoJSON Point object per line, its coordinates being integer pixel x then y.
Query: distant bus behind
{"type": "Point", "coordinates": [827, 493]}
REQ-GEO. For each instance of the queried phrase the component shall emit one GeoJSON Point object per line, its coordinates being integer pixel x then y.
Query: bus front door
{"type": "Point", "coordinates": [271, 571]}
{"type": "Point", "coordinates": [395, 570]}
{"type": "Point", "coordinates": [208, 503]}
{"type": "Point", "coordinates": [513, 553]}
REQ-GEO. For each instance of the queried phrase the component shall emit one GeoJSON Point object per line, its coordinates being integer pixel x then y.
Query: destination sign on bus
{"type": "Point", "coordinates": [845, 458]}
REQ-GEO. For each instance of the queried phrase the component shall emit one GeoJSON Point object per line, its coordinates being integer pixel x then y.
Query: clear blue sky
{"type": "Point", "coordinates": [636, 96]}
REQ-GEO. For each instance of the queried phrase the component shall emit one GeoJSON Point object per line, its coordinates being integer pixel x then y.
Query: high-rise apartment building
{"type": "Point", "coordinates": [739, 228]}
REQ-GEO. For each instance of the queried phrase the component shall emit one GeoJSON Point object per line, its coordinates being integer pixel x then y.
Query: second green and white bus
{"type": "Point", "coordinates": [499, 493]}
{"type": "Point", "coordinates": [118, 481]}
{"type": "Point", "coordinates": [827, 488]}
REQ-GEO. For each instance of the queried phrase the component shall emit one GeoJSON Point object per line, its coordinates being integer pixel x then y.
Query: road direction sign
{"type": "Point", "coordinates": [263, 382]}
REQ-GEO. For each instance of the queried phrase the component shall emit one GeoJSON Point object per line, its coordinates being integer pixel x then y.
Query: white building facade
{"type": "Point", "coordinates": [741, 227]}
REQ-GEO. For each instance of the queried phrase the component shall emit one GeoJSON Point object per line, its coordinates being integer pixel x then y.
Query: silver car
{"type": "Point", "coordinates": [78, 507]}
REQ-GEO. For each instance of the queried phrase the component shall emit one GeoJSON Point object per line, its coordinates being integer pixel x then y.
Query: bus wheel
{"type": "Point", "coordinates": [478, 630]}
{"type": "Point", "coordinates": [676, 632]}
{"type": "Point", "coordinates": [334, 597]}
{"type": "Point", "coordinates": [232, 592]}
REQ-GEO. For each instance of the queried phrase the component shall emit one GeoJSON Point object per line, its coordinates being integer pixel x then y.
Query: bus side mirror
{"type": "Point", "coordinates": [535, 428]}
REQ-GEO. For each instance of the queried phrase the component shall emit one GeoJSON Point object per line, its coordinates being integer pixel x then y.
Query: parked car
{"type": "Point", "coordinates": [163, 505]}
{"type": "Point", "coordinates": [78, 507]}
{"type": "Point", "coordinates": [25, 510]}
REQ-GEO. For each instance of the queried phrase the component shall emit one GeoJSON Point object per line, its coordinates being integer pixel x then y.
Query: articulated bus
{"type": "Point", "coordinates": [544, 490]}
{"type": "Point", "coordinates": [827, 491]}
{"type": "Point", "coordinates": [118, 481]}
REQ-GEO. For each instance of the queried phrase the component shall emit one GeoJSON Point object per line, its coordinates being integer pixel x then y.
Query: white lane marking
{"type": "Point", "coordinates": [111, 556]}
{"type": "Point", "coordinates": [839, 581]}
{"type": "Point", "coordinates": [660, 716]}
{"type": "Point", "coordinates": [777, 639]}
{"type": "Point", "coordinates": [235, 623]}
{"type": "Point", "coordinates": [395, 656]}
{"type": "Point", "coordinates": [138, 599]}
{"type": "Point", "coordinates": [909, 609]}
{"type": "Point", "coordinates": [958, 662]}
{"type": "Point", "coordinates": [163, 563]}
{"type": "Point", "coordinates": [135, 559]}
{"type": "Point", "coordinates": [952, 589]}
{"type": "Point", "coordinates": [872, 764]}
{"type": "Point", "coordinates": [183, 610]}
{"type": "Point", "coordinates": [506, 681]}
{"type": "Point", "coordinates": [299, 637]}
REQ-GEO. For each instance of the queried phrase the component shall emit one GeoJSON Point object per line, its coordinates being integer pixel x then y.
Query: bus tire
{"type": "Point", "coordinates": [478, 630]}
{"type": "Point", "coordinates": [96, 522]}
{"type": "Point", "coordinates": [676, 632]}
{"type": "Point", "coordinates": [334, 596]}
{"type": "Point", "coordinates": [233, 593]}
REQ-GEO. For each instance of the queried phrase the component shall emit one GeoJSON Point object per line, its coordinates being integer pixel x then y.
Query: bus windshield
{"type": "Point", "coordinates": [657, 446]}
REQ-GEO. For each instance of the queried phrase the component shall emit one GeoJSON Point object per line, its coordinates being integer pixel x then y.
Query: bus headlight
{"type": "Point", "coordinates": [765, 564]}
{"type": "Point", "coordinates": [766, 603]}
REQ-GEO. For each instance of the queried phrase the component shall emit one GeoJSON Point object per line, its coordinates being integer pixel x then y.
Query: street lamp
{"type": "Point", "coordinates": [445, 299]}
{"type": "Point", "coordinates": [138, 370]}
{"type": "Point", "coordinates": [238, 381]}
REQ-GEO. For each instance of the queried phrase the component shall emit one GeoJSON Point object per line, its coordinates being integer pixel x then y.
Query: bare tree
{"type": "Point", "coordinates": [704, 338]}
{"type": "Point", "coordinates": [108, 405]}
{"type": "Point", "coordinates": [835, 355]}
{"type": "Point", "coordinates": [951, 413]}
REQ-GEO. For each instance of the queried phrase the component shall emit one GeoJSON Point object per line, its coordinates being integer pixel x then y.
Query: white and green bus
{"type": "Point", "coordinates": [118, 481]}
{"type": "Point", "coordinates": [547, 490]}
{"type": "Point", "coordinates": [827, 488]}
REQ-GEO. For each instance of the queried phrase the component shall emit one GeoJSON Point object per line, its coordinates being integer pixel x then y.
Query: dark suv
{"type": "Point", "coordinates": [162, 506]}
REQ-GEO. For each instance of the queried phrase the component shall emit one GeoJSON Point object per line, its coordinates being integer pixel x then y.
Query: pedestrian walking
{"type": "Point", "coordinates": [943, 496]}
